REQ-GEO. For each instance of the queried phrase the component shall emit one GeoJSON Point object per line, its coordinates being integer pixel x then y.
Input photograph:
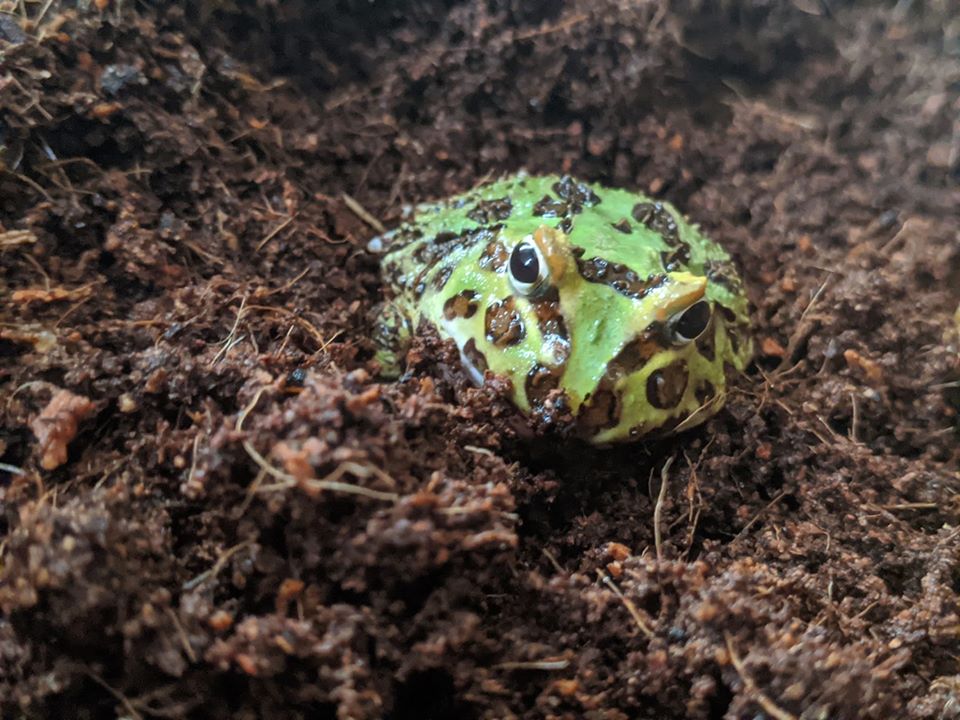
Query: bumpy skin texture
{"type": "Point", "coordinates": [596, 341]}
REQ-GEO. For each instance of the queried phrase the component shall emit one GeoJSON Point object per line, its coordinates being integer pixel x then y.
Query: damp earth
{"type": "Point", "coordinates": [210, 505]}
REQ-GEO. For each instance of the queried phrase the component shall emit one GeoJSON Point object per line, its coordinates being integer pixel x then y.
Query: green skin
{"type": "Point", "coordinates": [595, 343]}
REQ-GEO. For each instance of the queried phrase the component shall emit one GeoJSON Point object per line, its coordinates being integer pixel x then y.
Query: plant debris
{"type": "Point", "coordinates": [56, 426]}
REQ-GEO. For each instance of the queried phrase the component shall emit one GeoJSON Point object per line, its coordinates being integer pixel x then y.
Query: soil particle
{"type": "Point", "coordinates": [210, 505]}
{"type": "Point", "coordinates": [56, 426]}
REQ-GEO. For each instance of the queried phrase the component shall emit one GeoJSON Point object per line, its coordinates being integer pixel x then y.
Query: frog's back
{"type": "Point", "coordinates": [647, 231]}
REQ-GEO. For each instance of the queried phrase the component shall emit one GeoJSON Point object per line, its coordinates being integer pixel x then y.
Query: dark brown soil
{"type": "Point", "coordinates": [212, 508]}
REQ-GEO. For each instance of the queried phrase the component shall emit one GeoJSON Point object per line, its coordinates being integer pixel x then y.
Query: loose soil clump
{"type": "Point", "coordinates": [211, 505]}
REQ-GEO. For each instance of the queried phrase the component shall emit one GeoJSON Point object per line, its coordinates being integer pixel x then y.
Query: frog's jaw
{"type": "Point", "coordinates": [677, 389]}
{"type": "Point", "coordinates": [625, 377]}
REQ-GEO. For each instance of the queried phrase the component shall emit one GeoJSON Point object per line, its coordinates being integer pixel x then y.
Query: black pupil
{"type": "Point", "coordinates": [693, 321]}
{"type": "Point", "coordinates": [524, 265]}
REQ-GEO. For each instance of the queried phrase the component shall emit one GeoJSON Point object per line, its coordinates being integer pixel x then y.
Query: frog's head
{"type": "Point", "coordinates": [586, 327]}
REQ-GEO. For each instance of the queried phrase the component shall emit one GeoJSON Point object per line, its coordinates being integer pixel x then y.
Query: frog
{"type": "Point", "coordinates": [610, 313]}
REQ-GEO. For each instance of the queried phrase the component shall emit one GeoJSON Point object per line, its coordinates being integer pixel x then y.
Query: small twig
{"type": "Point", "coordinates": [15, 238]}
{"type": "Point", "coordinates": [184, 640]}
{"type": "Point", "coordinates": [813, 300]}
{"type": "Point", "coordinates": [202, 253]}
{"type": "Point", "coordinates": [330, 482]}
{"type": "Point", "coordinates": [479, 450]}
{"type": "Point", "coordinates": [286, 338]}
{"type": "Point", "coordinates": [658, 509]}
{"type": "Point", "coordinates": [855, 421]}
{"type": "Point", "coordinates": [34, 185]}
{"type": "Point", "coordinates": [105, 475]}
{"type": "Point", "coordinates": [42, 13]}
{"type": "Point", "coordinates": [39, 268]}
{"type": "Point", "coordinates": [251, 493]}
{"type": "Point", "coordinates": [947, 539]}
{"type": "Point", "coordinates": [768, 705]}
{"type": "Point", "coordinates": [799, 331]}
{"type": "Point", "coordinates": [362, 213]}
{"type": "Point", "coordinates": [273, 233]}
{"type": "Point", "coordinates": [193, 460]}
{"type": "Point", "coordinates": [553, 561]}
{"type": "Point", "coordinates": [217, 566]}
{"type": "Point", "coordinates": [302, 322]}
{"type": "Point", "coordinates": [119, 696]}
{"type": "Point", "coordinates": [288, 285]}
{"type": "Point", "coordinates": [73, 308]}
{"type": "Point", "coordinates": [72, 161]}
{"type": "Point", "coordinates": [694, 417]}
{"type": "Point", "coordinates": [12, 469]}
{"type": "Point", "coordinates": [549, 29]}
{"type": "Point", "coordinates": [693, 485]}
{"type": "Point", "coordinates": [867, 609]}
{"type": "Point", "coordinates": [534, 665]}
{"type": "Point", "coordinates": [627, 603]}
{"type": "Point", "coordinates": [756, 517]}
{"type": "Point", "coordinates": [398, 183]}
{"type": "Point", "coordinates": [241, 418]}
{"type": "Point", "coordinates": [837, 437]}
{"type": "Point", "coordinates": [898, 237]}
{"type": "Point", "coordinates": [911, 506]}
{"type": "Point", "coordinates": [228, 342]}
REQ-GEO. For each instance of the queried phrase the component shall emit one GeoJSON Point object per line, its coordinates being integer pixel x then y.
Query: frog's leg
{"type": "Point", "coordinates": [392, 334]}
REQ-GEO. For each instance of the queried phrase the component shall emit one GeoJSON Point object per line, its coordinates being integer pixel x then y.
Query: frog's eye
{"type": "Point", "coordinates": [688, 325]}
{"type": "Point", "coordinates": [528, 270]}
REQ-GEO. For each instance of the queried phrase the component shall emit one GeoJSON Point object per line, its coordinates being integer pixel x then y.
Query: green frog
{"type": "Point", "coordinates": [606, 309]}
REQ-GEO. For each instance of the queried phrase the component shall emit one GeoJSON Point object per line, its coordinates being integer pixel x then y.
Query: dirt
{"type": "Point", "coordinates": [211, 505]}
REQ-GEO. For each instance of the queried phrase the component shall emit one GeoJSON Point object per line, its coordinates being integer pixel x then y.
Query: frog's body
{"type": "Point", "coordinates": [602, 305]}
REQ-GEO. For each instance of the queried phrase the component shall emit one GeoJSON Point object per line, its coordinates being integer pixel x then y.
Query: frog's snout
{"type": "Point", "coordinates": [683, 291]}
